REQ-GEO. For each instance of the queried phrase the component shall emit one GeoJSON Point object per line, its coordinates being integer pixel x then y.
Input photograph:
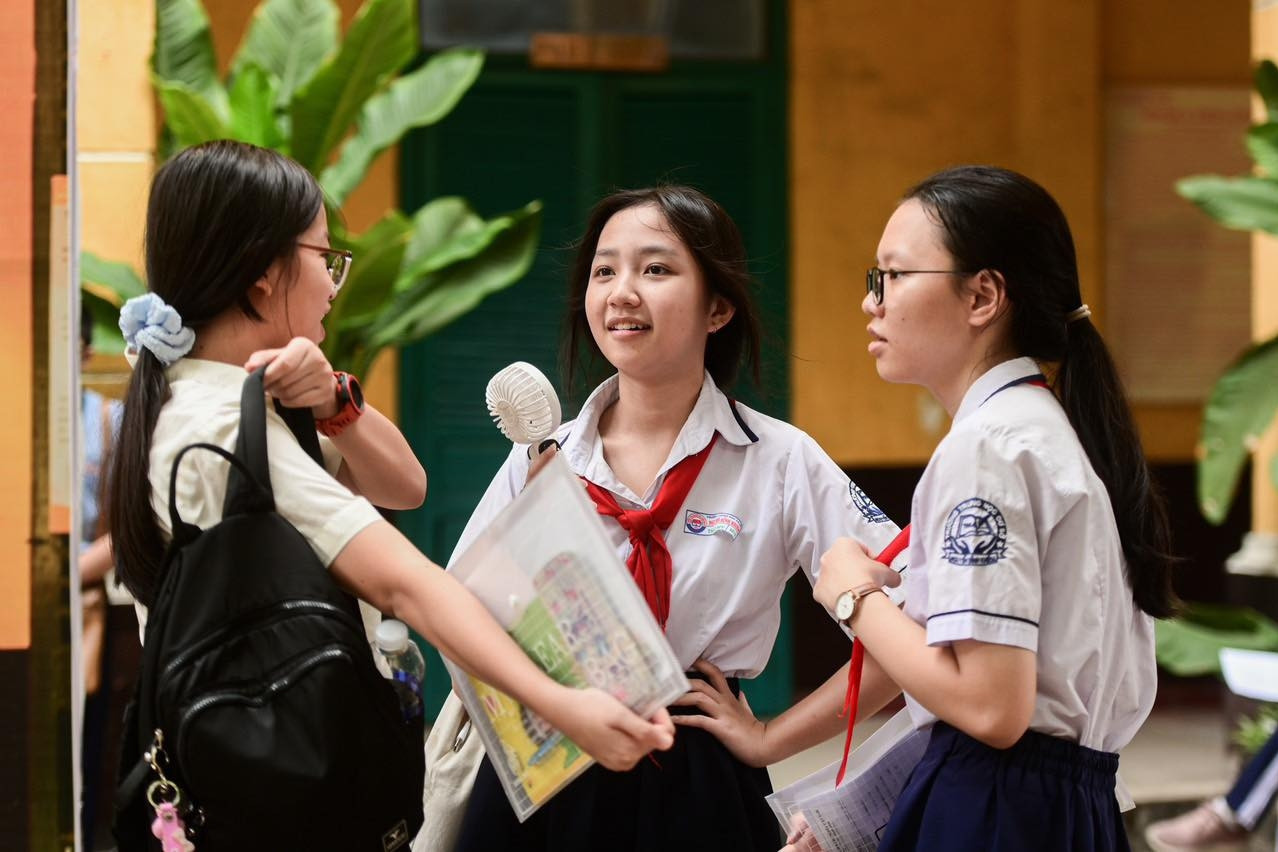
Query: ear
{"type": "Point", "coordinates": [261, 290]}
{"type": "Point", "coordinates": [721, 313]}
{"type": "Point", "coordinates": [986, 297]}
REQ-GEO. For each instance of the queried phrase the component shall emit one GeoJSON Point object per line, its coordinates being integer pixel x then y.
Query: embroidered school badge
{"type": "Point", "coordinates": [865, 505]}
{"type": "Point", "coordinates": [709, 523]}
{"type": "Point", "coordinates": [975, 534]}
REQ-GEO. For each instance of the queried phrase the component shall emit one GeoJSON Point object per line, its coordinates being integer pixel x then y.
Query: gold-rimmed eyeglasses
{"type": "Point", "coordinates": [338, 262]}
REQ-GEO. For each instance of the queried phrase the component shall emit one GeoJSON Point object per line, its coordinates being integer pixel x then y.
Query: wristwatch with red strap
{"type": "Point", "coordinates": [350, 405]}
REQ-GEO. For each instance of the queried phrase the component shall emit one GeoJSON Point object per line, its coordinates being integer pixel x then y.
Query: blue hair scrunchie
{"type": "Point", "coordinates": [148, 323]}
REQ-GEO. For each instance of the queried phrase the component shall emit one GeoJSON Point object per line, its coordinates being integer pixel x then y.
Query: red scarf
{"type": "Point", "coordinates": [853, 696]}
{"type": "Point", "coordinates": [649, 560]}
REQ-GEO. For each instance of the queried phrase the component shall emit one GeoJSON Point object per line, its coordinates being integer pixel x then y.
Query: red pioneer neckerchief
{"type": "Point", "coordinates": [649, 560]}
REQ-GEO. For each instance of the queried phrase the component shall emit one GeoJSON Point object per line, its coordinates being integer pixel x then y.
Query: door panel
{"type": "Point", "coordinates": [567, 138]}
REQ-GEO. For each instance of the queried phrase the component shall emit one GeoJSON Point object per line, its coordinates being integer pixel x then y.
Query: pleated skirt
{"type": "Point", "coordinates": [694, 796]}
{"type": "Point", "coordinates": [1044, 793]}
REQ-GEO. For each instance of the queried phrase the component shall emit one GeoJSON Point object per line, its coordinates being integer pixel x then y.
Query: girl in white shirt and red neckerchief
{"type": "Point", "coordinates": [712, 505]}
{"type": "Point", "coordinates": [241, 273]}
{"type": "Point", "coordinates": [1039, 549]}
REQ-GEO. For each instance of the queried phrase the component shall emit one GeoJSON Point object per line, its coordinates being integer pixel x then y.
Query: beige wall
{"type": "Point", "coordinates": [883, 94]}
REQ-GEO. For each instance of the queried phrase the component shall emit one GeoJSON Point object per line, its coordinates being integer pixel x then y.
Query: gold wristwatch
{"type": "Point", "coordinates": [848, 604]}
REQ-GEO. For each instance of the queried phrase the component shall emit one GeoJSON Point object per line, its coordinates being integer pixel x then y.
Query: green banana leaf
{"type": "Point", "coordinates": [1241, 407]}
{"type": "Point", "coordinates": [1262, 143]}
{"type": "Point", "coordinates": [184, 52]}
{"type": "Point", "coordinates": [379, 253]}
{"type": "Point", "coordinates": [1266, 82]}
{"type": "Point", "coordinates": [1243, 203]}
{"type": "Point", "coordinates": [253, 93]}
{"type": "Point", "coordinates": [418, 99]}
{"type": "Point", "coordinates": [381, 40]}
{"type": "Point", "coordinates": [290, 39]}
{"type": "Point", "coordinates": [444, 231]}
{"type": "Point", "coordinates": [447, 293]}
{"type": "Point", "coordinates": [188, 116]}
{"type": "Point", "coordinates": [1189, 646]}
{"type": "Point", "coordinates": [105, 285]}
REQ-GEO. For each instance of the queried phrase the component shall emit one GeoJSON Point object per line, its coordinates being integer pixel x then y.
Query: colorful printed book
{"type": "Point", "coordinates": [548, 573]}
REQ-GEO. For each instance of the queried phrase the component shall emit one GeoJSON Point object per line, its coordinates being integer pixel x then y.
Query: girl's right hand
{"type": "Point", "coordinates": [610, 732]}
{"type": "Point", "coordinates": [800, 838]}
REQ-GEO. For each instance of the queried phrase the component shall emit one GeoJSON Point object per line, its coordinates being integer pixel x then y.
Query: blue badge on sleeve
{"type": "Point", "coordinates": [865, 505]}
{"type": "Point", "coordinates": [975, 534]}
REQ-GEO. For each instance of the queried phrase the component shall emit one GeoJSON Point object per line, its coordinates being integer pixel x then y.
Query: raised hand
{"type": "Point", "coordinates": [299, 376]}
{"type": "Point", "coordinates": [846, 565]}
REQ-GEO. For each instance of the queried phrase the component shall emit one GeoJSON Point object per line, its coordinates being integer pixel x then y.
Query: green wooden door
{"type": "Point", "coordinates": [567, 138]}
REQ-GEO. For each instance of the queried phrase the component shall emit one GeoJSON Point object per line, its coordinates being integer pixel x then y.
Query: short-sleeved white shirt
{"type": "Point", "coordinates": [1014, 542]}
{"type": "Point", "coordinates": [767, 502]}
{"type": "Point", "coordinates": [204, 406]}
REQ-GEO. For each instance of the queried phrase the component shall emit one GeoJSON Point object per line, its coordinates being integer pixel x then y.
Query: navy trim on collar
{"type": "Point", "coordinates": [749, 433]}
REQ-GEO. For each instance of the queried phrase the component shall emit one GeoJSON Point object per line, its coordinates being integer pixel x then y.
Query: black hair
{"type": "Point", "coordinates": [995, 219]}
{"type": "Point", "coordinates": [716, 245]}
{"type": "Point", "coordinates": [219, 215]}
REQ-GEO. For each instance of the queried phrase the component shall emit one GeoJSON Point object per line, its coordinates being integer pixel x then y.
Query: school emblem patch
{"type": "Point", "coordinates": [709, 523]}
{"type": "Point", "coordinates": [975, 534]}
{"type": "Point", "coordinates": [865, 505]}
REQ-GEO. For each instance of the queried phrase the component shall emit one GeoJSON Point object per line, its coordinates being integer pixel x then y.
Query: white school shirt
{"type": "Point", "coordinates": [1014, 542]}
{"type": "Point", "coordinates": [204, 406]}
{"type": "Point", "coordinates": [767, 502]}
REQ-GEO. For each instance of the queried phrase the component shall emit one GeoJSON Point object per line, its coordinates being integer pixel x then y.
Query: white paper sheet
{"type": "Point", "coordinates": [852, 817]}
{"type": "Point", "coordinates": [1251, 674]}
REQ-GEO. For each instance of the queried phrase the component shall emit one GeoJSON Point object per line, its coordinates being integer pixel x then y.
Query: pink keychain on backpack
{"type": "Point", "coordinates": [168, 826]}
{"type": "Point", "coordinates": [170, 830]}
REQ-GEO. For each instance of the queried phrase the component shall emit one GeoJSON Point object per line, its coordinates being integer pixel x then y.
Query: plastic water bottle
{"type": "Point", "coordinates": [407, 667]}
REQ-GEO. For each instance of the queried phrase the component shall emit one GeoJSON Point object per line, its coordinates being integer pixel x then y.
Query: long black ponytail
{"type": "Point", "coordinates": [1002, 221]}
{"type": "Point", "coordinates": [218, 216]}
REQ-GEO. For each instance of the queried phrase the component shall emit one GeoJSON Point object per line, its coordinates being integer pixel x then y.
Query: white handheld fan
{"type": "Point", "coordinates": [523, 404]}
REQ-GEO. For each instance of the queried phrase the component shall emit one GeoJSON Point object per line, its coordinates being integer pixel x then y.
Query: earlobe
{"type": "Point", "coordinates": [721, 313]}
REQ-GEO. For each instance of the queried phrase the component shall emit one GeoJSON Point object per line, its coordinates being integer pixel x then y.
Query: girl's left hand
{"type": "Point", "coordinates": [726, 716]}
{"type": "Point", "coordinates": [299, 376]}
{"type": "Point", "coordinates": [847, 565]}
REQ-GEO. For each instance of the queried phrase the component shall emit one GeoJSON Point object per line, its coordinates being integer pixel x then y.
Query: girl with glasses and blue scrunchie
{"type": "Point", "coordinates": [241, 273]}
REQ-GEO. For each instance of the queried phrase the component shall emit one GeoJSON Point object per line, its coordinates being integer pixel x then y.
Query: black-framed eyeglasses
{"type": "Point", "coordinates": [874, 278]}
{"type": "Point", "coordinates": [338, 262]}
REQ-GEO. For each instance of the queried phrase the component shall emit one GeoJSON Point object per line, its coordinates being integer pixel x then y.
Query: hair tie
{"type": "Point", "coordinates": [1081, 312]}
{"type": "Point", "coordinates": [148, 323]}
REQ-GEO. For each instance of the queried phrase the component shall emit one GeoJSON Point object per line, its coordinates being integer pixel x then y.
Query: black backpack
{"type": "Point", "coordinates": [258, 686]}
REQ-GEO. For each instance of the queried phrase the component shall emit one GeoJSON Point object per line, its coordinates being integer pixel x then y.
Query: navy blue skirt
{"type": "Point", "coordinates": [1043, 793]}
{"type": "Point", "coordinates": [694, 796]}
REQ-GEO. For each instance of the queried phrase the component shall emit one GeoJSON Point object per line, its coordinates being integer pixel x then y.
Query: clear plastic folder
{"type": "Point", "coordinates": [547, 572]}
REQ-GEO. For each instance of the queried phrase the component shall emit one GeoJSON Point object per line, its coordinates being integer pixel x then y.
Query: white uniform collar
{"type": "Point", "coordinates": [217, 373]}
{"type": "Point", "coordinates": [994, 379]}
{"type": "Point", "coordinates": [713, 412]}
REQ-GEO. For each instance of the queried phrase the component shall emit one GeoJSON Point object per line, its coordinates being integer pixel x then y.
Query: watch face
{"type": "Point", "coordinates": [356, 392]}
{"type": "Point", "coordinates": [844, 605]}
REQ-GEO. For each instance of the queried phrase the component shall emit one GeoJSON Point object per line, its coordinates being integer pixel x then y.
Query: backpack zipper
{"type": "Point", "coordinates": [262, 616]}
{"type": "Point", "coordinates": [232, 696]}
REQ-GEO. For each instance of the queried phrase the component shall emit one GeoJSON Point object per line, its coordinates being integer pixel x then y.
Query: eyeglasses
{"type": "Point", "coordinates": [874, 278]}
{"type": "Point", "coordinates": [338, 262]}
